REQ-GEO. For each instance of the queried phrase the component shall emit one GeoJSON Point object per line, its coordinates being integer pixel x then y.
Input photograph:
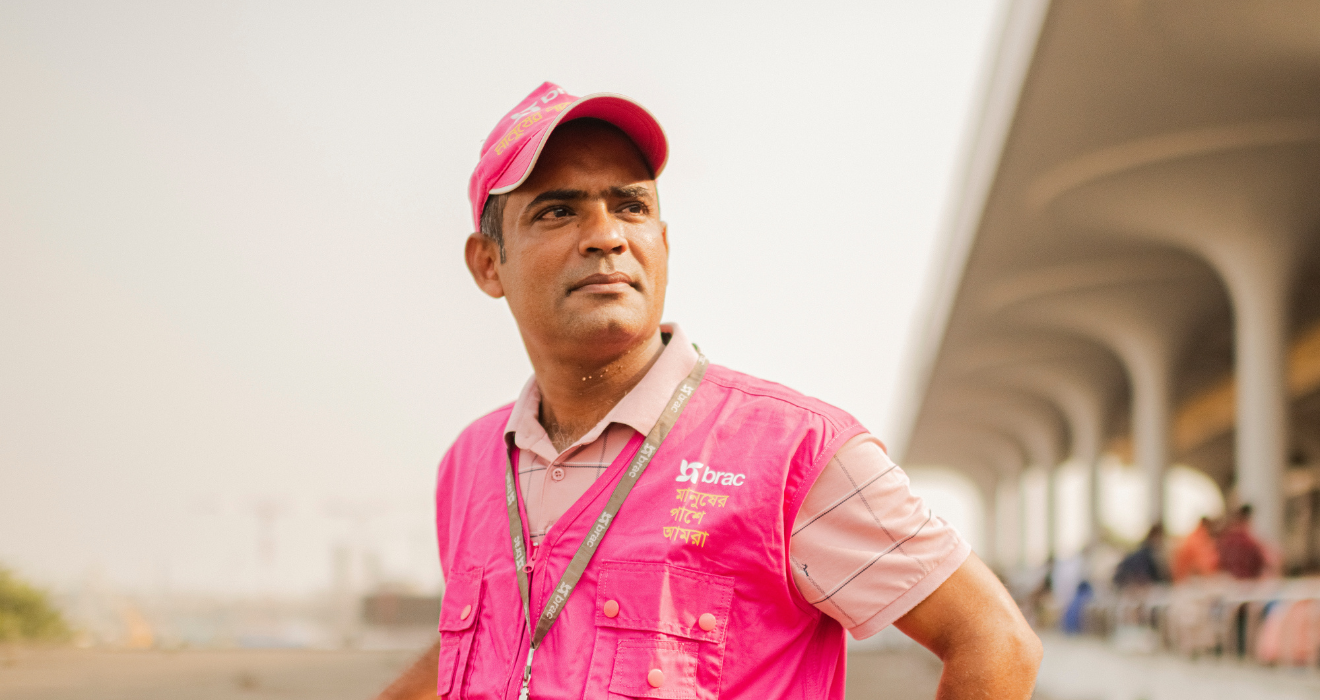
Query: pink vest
{"type": "Point", "coordinates": [692, 579]}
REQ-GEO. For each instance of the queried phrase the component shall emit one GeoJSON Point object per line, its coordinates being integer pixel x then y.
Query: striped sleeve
{"type": "Point", "coordinates": [864, 549]}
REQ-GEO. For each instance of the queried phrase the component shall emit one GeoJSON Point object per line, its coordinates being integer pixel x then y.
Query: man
{"type": "Point", "coordinates": [1240, 553]}
{"type": "Point", "coordinates": [1146, 564]}
{"type": "Point", "coordinates": [1198, 555]}
{"type": "Point", "coordinates": [642, 523]}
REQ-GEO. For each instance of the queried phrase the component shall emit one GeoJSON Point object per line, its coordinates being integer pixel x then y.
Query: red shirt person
{"type": "Point", "coordinates": [1240, 553]}
{"type": "Point", "coordinates": [569, 234]}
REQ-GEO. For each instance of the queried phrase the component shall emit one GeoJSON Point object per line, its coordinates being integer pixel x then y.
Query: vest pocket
{"type": "Point", "coordinates": [658, 597]}
{"type": "Point", "coordinates": [655, 669]}
{"type": "Point", "coordinates": [660, 631]}
{"type": "Point", "coordinates": [458, 616]}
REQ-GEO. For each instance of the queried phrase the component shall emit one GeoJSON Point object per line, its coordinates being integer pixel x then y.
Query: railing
{"type": "Point", "coordinates": [1269, 622]}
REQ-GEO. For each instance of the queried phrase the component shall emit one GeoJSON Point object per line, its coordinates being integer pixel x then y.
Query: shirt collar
{"type": "Point", "coordinates": [639, 409]}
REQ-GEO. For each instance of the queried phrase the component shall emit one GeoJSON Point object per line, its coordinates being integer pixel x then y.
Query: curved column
{"type": "Point", "coordinates": [1243, 206]}
{"type": "Point", "coordinates": [1036, 425]}
{"type": "Point", "coordinates": [1043, 447]}
{"type": "Point", "coordinates": [991, 524]}
{"type": "Point", "coordinates": [1152, 390]}
{"type": "Point", "coordinates": [1008, 523]}
{"type": "Point", "coordinates": [991, 517]}
{"type": "Point", "coordinates": [1257, 267]}
{"type": "Point", "coordinates": [1013, 518]}
{"type": "Point", "coordinates": [1146, 349]}
{"type": "Point", "coordinates": [1078, 376]}
{"type": "Point", "coordinates": [986, 475]}
{"type": "Point", "coordinates": [1141, 309]}
{"type": "Point", "coordinates": [972, 445]}
{"type": "Point", "coordinates": [1258, 278]}
{"type": "Point", "coordinates": [1083, 402]}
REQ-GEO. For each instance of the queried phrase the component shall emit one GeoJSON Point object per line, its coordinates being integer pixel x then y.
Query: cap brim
{"type": "Point", "coordinates": [630, 117]}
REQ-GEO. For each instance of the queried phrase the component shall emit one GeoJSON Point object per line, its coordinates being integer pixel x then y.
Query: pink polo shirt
{"type": "Point", "coordinates": [864, 549]}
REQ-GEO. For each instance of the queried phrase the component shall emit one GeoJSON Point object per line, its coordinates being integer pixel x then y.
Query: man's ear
{"type": "Point", "coordinates": [664, 235]}
{"type": "Point", "coordinates": [482, 254]}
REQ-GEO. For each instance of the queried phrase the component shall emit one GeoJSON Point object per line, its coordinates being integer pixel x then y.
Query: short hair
{"type": "Point", "coordinates": [492, 220]}
{"type": "Point", "coordinates": [492, 212]}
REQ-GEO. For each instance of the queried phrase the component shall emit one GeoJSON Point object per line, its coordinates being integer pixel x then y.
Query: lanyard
{"type": "Point", "coordinates": [587, 549]}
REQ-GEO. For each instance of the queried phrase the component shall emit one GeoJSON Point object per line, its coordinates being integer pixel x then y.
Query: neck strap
{"type": "Point", "coordinates": [587, 549]}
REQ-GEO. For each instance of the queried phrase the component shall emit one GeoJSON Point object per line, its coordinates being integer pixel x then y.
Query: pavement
{"type": "Point", "coordinates": [66, 674]}
{"type": "Point", "coordinates": [908, 673]}
{"type": "Point", "coordinates": [1073, 669]}
{"type": "Point", "coordinates": [1091, 669]}
{"type": "Point", "coordinates": [69, 674]}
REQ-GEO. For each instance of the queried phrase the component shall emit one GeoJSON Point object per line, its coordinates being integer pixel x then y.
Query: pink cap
{"type": "Point", "coordinates": [511, 150]}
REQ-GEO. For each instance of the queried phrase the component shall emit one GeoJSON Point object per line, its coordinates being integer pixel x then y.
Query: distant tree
{"type": "Point", "coordinates": [26, 613]}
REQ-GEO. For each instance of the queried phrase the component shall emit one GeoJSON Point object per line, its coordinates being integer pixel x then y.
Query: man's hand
{"type": "Point", "coordinates": [418, 681]}
{"type": "Point", "coordinates": [973, 625]}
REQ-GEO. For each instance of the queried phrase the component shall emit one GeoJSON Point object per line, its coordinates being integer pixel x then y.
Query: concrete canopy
{"type": "Point", "coordinates": [1133, 257]}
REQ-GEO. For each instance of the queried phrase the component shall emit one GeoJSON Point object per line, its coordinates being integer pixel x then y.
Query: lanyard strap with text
{"type": "Point", "coordinates": [587, 549]}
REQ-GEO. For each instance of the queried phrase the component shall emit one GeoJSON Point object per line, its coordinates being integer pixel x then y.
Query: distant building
{"type": "Point", "coordinates": [401, 610]}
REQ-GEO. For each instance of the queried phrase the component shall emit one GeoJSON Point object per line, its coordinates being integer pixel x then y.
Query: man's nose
{"type": "Point", "coordinates": [601, 232]}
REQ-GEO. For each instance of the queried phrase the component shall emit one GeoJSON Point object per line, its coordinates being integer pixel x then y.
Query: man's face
{"type": "Point", "coordinates": [586, 253]}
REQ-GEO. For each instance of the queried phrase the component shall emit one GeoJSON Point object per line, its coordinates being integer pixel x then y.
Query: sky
{"type": "Point", "coordinates": [236, 331]}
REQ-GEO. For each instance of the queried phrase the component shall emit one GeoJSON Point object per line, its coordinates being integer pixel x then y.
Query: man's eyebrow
{"type": "Point", "coordinates": [631, 191]}
{"type": "Point", "coordinates": [557, 196]}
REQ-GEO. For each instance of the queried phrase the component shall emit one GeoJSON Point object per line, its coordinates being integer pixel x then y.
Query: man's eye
{"type": "Point", "coordinates": [635, 208]}
{"type": "Point", "coordinates": [555, 213]}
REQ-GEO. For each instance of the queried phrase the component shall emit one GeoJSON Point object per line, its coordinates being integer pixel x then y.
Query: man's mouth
{"type": "Point", "coordinates": [612, 283]}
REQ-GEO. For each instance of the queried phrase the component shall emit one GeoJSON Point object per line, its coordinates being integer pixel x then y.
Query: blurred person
{"type": "Point", "coordinates": [1270, 639]}
{"type": "Point", "coordinates": [1240, 553]}
{"type": "Point", "coordinates": [1074, 617]}
{"type": "Point", "coordinates": [1146, 565]}
{"type": "Point", "coordinates": [1289, 633]}
{"type": "Point", "coordinates": [1070, 571]}
{"type": "Point", "coordinates": [1043, 604]}
{"type": "Point", "coordinates": [642, 523]}
{"type": "Point", "coordinates": [1198, 554]}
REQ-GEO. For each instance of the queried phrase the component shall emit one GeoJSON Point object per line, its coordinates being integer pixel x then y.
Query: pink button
{"type": "Point", "coordinates": [557, 473]}
{"type": "Point", "coordinates": [706, 622]}
{"type": "Point", "coordinates": [656, 678]}
{"type": "Point", "coordinates": [467, 610]}
{"type": "Point", "coordinates": [611, 608]}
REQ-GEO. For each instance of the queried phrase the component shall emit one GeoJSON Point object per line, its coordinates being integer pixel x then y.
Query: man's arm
{"type": "Point", "coordinates": [973, 625]}
{"type": "Point", "coordinates": [418, 681]}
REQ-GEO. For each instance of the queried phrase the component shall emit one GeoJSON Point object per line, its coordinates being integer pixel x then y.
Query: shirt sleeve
{"type": "Point", "coordinates": [865, 549]}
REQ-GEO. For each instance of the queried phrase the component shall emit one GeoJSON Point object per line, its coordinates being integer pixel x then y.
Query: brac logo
{"type": "Point", "coordinates": [698, 473]}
